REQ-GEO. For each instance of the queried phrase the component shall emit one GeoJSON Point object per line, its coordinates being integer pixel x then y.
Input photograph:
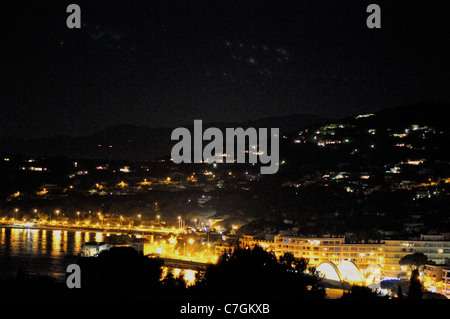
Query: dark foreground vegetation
{"type": "Point", "coordinates": [121, 272]}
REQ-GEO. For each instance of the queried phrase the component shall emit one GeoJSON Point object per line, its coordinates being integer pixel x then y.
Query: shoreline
{"type": "Point", "coordinates": [169, 262]}
{"type": "Point", "coordinates": [74, 229]}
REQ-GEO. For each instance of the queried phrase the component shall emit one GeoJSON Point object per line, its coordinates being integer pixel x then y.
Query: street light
{"type": "Point", "coordinates": [100, 218]}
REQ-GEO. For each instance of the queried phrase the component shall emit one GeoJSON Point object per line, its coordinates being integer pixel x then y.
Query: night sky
{"type": "Point", "coordinates": [165, 63]}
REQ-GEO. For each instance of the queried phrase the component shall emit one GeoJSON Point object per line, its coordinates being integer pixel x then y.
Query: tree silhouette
{"type": "Point", "coordinates": [415, 287]}
{"type": "Point", "coordinates": [399, 292]}
{"type": "Point", "coordinates": [122, 270]}
{"type": "Point", "coordinates": [257, 273]}
{"type": "Point", "coordinates": [298, 264]}
{"type": "Point", "coordinates": [360, 292]}
{"type": "Point", "coordinates": [174, 285]}
{"type": "Point", "coordinates": [414, 261]}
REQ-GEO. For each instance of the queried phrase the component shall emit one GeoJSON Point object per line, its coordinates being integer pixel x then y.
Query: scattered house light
{"type": "Point", "coordinates": [35, 169]}
{"type": "Point", "coordinates": [415, 162]}
{"type": "Point", "coordinates": [125, 169]}
{"type": "Point", "coordinates": [360, 116]}
{"type": "Point", "coordinates": [400, 135]}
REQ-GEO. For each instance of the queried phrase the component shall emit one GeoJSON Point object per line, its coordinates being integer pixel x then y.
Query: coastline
{"type": "Point", "coordinates": [75, 229]}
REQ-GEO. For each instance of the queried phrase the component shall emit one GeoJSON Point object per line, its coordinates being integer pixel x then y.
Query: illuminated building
{"type": "Point", "coordinates": [334, 249]}
{"type": "Point", "coordinates": [226, 248]}
{"type": "Point", "coordinates": [90, 249]}
{"type": "Point", "coordinates": [435, 247]}
{"type": "Point", "coordinates": [321, 250]}
{"type": "Point", "coordinates": [250, 242]}
{"type": "Point", "coordinates": [317, 250]}
{"type": "Point", "coordinates": [446, 283]}
{"type": "Point", "coordinates": [375, 260]}
{"type": "Point", "coordinates": [435, 277]}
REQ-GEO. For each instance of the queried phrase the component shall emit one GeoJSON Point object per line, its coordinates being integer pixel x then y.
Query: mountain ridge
{"type": "Point", "coordinates": [139, 143]}
{"type": "Point", "coordinates": [133, 142]}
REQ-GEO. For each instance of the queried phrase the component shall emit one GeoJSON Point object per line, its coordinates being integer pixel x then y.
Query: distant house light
{"type": "Point", "coordinates": [125, 169]}
{"type": "Point", "coordinates": [360, 116]}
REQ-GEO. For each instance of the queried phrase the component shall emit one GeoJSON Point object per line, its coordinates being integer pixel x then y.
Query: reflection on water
{"type": "Point", "coordinates": [40, 251]}
{"type": "Point", "coordinates": [56, 242]}
{"type": "Point", "coordinates": [187, 274]}
{"type": "Point", "coordinates": [48, 252]}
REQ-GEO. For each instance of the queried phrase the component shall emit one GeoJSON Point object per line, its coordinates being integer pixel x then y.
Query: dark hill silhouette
{"type": "Point", "coordinates": [132, 142]}
{"type": "Point", "coordinates": [140, 143]}
{"type": "Point", "coordinates": [424, 113]}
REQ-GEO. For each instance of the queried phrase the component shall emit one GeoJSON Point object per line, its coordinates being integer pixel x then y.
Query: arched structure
{"type": "Point", "coordinates": [345, 271]}
{"type": "Point", "coordinates": [350, 272]}
{"type": "Point", "coordinates": [329, 271]}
